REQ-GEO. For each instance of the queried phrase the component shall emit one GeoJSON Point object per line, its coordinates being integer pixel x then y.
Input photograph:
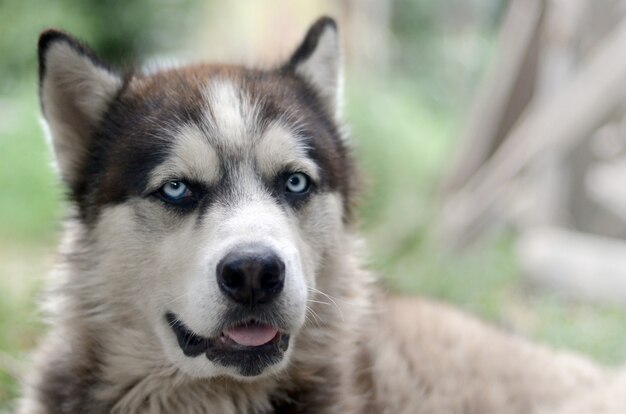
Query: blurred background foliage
{"type": "Point", "coordinates": [412, 68]}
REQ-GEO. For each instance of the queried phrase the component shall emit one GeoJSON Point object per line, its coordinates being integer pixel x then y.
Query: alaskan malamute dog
{"type": "Point", "coordinates": [211, 264]}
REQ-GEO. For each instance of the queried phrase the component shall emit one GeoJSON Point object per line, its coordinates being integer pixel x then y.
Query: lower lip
{"type": "Point", "coordinates": [248, 361]}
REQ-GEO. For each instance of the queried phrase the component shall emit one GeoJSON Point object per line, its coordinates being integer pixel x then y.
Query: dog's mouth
{"type": "Point", "coordinates": [250, 346]}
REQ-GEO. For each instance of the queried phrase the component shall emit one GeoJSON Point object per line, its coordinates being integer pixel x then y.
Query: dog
{"type": "Point", "coordinates": [211, 262]}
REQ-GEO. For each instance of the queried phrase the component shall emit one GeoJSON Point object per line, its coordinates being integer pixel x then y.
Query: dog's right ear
{"type": "Point", "coordinates": [318, 61]}
{"type": "Point", "coordinates": [75, 89]}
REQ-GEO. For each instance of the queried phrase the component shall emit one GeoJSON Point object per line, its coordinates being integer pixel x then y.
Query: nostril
{"type": "Point", "coordinates": [233, 278]}
{"type": "Point", "coordinates": [271, 280]}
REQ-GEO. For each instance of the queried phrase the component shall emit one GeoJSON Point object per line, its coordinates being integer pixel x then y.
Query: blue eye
{"type": "Point", "coordinates": [298, 183]}
{"type": "Point", "coordinates": [175, 192]}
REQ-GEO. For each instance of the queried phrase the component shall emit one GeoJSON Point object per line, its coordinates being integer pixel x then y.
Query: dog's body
{"type": "Point", "coordinates": [212, 267]}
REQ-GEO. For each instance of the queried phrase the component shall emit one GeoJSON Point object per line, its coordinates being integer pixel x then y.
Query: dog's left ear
{"type": "Point", "coordinates": [318, 61]}
{"type": "Point", "coordinates": [75, 89]}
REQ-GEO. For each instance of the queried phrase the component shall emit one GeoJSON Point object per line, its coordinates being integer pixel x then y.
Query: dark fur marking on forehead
{"type": "Point", "coordinates": [138, 130]}
{"type": "Point", "coordinates": [135, 136]}
{"type": "Point", "coordinates": [286, 95]}
{"type": "Point", "coordinates": [325, 145]}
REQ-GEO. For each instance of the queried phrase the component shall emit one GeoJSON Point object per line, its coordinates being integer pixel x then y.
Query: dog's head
{"type": "Point", "coordinates": [211, 196]}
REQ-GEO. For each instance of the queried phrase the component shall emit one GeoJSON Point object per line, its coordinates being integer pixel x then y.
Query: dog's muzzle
{"type": "Point", "coordinates": [253, 335]}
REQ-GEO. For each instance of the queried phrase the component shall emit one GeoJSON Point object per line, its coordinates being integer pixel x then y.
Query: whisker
{"type": "Point", "coordinates": [316, 318]}
{"type": "Point", "coordinates": [329, 298]}
{"type": "Point", "coordinates": [332, 298]}
{"type": "Point", "coordinates": [320, 301]}
{"type": "Point", "coordinates": [310, 321]}
{"type": "Point", "coordinates": [177, 298]}
{"type": "Point", "coordinates": [319, 318]}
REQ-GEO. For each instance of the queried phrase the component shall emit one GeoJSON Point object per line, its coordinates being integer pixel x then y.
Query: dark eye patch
{"type": "Point", "coordinates": [191, 194]}
{"type": "Point", "coordinates": [279, 189]}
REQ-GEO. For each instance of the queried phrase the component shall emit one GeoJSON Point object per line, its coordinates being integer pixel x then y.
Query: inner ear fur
{"type": "Point", "coordinates": [318, 60]}
{"type": "Point", "coordinates": [75, 89]}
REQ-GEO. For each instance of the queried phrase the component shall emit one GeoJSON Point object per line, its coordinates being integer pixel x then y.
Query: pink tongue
{"type": "Point", "coordinates": [252, 335]}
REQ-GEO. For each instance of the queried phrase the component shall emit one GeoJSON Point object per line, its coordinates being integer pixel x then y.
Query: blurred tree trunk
{"type": "Point", "coordinates": [505, 92]}
{"type": "Point", "coordinates": [535, 146]}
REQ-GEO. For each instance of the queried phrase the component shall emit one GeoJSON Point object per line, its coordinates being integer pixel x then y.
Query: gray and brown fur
{"type": "Point", "coordinates": [232, 131]}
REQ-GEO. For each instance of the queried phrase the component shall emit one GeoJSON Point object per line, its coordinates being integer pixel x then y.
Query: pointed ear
{"type": "Point", "coordinates": [318, 61]}
{"type": "Point", "coordinates": [75, 89]}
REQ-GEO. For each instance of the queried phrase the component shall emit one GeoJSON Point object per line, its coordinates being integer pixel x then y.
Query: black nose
{"type": "Point", "coordinates": [251, 275]}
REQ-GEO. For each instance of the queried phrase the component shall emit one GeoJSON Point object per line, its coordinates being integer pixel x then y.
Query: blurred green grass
{"type": "Point", "coordinates": [403, 143]}
{"type": "Point", "coordinates": [21, 271]}
{"type": "Point", "coordinates": [29, 202]}
{"type": "Point", "coordinates": [29, 218]}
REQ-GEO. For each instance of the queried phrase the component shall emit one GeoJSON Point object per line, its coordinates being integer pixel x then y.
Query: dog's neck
{"type": "Point", "coordinates": [101, 365]}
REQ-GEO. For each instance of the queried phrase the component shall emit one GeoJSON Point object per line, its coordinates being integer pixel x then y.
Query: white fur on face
{"type": "Point", "coordinates": [192, 158]}
{"type": "Point", "coordinates": [279, 150]}
{"type": "Point", "coordinates": [231, 116]}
